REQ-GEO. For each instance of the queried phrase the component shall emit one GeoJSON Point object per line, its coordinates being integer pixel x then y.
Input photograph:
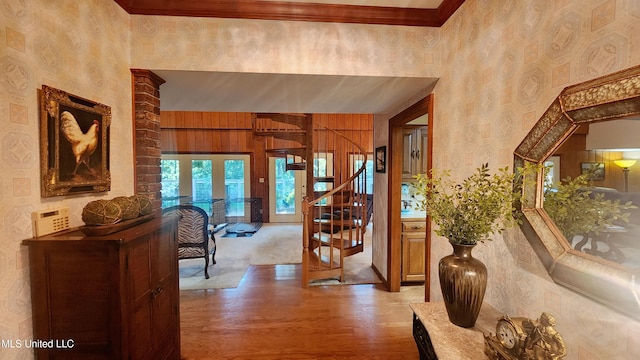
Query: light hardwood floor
{"type": "Point", "coordinates": [270, 316]}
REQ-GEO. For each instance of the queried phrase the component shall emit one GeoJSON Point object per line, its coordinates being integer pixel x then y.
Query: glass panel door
{"type": "Point", "coordinates": [234, 187]}
{"type": "Point", "coordinates": [170, 181]}
{"type": "Point", "coordinates": [201, 179]}
{"type": "Point", "coordinates": [202, 184]}
{"type": "Point", "coordinates": [286, 192]}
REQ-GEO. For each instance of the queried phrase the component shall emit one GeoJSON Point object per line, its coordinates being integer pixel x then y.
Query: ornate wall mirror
{"type": "Point", "coordinates": [589, 128]}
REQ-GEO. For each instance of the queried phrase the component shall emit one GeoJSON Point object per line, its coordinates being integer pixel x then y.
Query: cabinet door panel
{"type": "Point", "coordinates": [408, 153]}
{"type": "Point", "coordinates": [142, 330]}
{"type": "Point", "coordinates": [164, 312]}
{"type": "Point", "coordinates": [142, 289]}
{"type": "Point", "coordinates": [164, 263]}
{"type": "Point", "coordinates": [168, 349]}
{"type": "Point", "coordinates": [416, 255]}
{"type": "Point", "coordinates": [414, 155]}
{"type": "Point", "coordinates": [81, 296]}
{"type": "Point", "coordinates": [164, 252]}
{"type": "Point", "coordinates": [140, 270]}
{"type": "Point", "coordinates": [165, 298]}
{"type": "Point", "coordinates": [413, 256]}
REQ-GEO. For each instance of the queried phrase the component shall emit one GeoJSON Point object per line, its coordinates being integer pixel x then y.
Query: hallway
{"type": "Point", "coordinates": [269, 316]}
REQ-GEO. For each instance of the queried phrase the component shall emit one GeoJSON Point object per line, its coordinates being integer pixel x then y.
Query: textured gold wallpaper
{"type": "Point", "coordinates": [506, 61]}
{"type": "Point", "coordinates": [81, 47]}
{"type": "Point", "coordinates": [178, 43]}
{"type": "Point", "coordinates": [500, 64]}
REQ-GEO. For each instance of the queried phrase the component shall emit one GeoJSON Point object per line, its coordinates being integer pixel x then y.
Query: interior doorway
{"type": "Point", "coordinates": [396, 137]}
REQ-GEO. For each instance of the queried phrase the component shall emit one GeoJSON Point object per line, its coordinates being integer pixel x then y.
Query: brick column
{"type": "Point", "coordinates": [146, 97]}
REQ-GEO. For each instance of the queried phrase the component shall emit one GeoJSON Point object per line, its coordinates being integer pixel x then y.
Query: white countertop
{"type": "Point", "coordinates": [413, 214]}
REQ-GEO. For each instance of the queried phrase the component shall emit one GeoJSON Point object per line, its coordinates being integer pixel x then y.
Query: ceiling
{"type": "Point", "coordinates": [252, 92]}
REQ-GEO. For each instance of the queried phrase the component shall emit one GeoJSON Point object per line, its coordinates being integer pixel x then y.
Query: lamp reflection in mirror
{"type": "Point", "coordinates": [625, 165]}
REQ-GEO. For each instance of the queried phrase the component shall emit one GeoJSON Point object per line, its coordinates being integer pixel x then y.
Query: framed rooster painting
{"type": "Point", "coordinates": [74, 144]}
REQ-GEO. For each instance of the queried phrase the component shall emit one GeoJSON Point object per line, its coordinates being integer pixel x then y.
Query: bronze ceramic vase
{"type": "Point", "coordinates": [463, 280]}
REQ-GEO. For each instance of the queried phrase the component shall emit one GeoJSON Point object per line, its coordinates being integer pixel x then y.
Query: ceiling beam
{"type": "Point", "coordinates": [295, 11]}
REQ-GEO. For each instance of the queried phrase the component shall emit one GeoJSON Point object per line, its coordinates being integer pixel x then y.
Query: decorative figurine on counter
{"type": "Point", "coordinates": [525, 339]}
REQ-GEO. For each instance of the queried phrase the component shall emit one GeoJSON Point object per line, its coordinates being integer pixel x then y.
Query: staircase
{"type": "Point", "coordinates": [334, 211]}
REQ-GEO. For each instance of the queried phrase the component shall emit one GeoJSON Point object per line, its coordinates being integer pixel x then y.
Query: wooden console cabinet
{"type": "Point", "coordinates": [107, 297]}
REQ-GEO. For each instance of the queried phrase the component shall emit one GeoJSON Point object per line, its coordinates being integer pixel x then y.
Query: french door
{"type": "Point", "coordinates": [286, 191]}
{"type": "Point", "coordinates": [199, 179]}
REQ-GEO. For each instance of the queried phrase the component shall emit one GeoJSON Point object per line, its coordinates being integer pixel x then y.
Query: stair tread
{"type": "Point", "coordinates": [281, 116]}
{"type": "Point", "coordinates": [283, 152]}
{"type": "Point", "coordinates": [323, 263]}
{"type": "Point", "coordinates": [332, 239]}
{"type": "Point", "coordinates": [286, 150]}
{"type": "Point", "coordinates": [325, 179]}
{"type": "Point", "coordinates": [299, 120]}
{"type": "Point", "coordinates": [296, 166]}
{"type": "Point", "coordinates": [341, 206]}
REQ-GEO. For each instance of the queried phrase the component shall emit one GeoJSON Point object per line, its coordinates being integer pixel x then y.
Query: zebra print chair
{"type": "Point", "coordinates": [194, 238]}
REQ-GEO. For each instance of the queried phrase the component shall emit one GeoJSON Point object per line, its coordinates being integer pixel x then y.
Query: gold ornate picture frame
{"type": "Point", "coordinates": [74, 144]}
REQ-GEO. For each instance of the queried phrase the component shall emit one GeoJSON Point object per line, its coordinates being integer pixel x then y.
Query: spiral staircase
{"type": "Point", "coordinates": [334, 212]}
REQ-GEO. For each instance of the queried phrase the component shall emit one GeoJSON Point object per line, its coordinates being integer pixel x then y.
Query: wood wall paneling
{"type": "Point", "coordinates": [184, 132]}
{"type": "Point", "coordinates": [573, 152]}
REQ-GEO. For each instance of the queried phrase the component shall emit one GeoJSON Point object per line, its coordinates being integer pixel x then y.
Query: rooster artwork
{"type": "Point", "coordinates": [82, 143]}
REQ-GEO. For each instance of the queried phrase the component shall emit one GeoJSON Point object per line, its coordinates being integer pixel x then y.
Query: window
{"type": "Point", "coordinates": [365, 179]}
{"type": "Point", "coordinates": [170, 180]}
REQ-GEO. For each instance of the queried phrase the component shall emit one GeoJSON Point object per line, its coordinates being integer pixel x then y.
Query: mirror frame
{"type": "Point", "coordinates": [609, 97]}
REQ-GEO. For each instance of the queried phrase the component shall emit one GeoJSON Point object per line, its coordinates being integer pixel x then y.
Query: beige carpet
{"type": "Point", "coordinates": [273, 244]}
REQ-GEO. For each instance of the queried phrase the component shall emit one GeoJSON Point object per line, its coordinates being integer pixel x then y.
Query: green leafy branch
{"type": "Point", "coordinates": [470, 211]}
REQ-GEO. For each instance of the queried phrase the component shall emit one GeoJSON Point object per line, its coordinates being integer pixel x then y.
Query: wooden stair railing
{"type": "Point", "coordinates": [334, 223]}
{"type": "Point", "coordinates": [334, 211]}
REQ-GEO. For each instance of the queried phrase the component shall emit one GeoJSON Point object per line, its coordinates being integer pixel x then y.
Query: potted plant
{"type": "Point", "coordinates": [467, 213]}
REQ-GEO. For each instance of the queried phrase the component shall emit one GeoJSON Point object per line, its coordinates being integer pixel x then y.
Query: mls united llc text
{"type": "Point", "coordinates": [37, 344]}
